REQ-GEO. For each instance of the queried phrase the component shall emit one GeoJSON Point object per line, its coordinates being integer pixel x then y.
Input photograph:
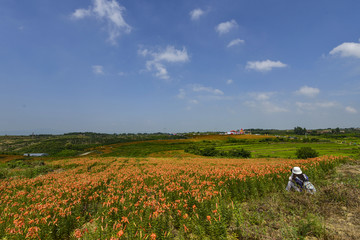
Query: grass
{"type": "Point", "coordinates": [144, 149]}
{"type": "Point", "coordinates": [283, 215]}
{"type": "Point", "coordinates": [258, 147]}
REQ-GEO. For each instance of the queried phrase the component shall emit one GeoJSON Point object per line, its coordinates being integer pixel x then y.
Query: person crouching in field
{"type": "Point", "coordinates": [298, 181]}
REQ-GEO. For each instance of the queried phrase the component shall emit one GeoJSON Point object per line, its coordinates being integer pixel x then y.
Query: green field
{"type": "Point", "coordinates": [144, 145]}
{"type": "Point", "coordinates": [258, 148]}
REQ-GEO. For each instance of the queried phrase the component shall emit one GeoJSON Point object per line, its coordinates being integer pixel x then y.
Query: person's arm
{"type": "Point", "coordinates": [306, 177]}
{"type": "Point", "coordinates": [291, 177]}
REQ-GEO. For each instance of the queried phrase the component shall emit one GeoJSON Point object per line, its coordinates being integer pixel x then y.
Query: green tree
{"type": "Point", "coordinates": [299, 130]}
{"type": "Point", "coordinates": [336, 130]}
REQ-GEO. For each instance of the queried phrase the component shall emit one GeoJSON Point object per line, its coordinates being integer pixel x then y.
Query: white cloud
{"type": "Point", "coordinates": [265, 106]}
{"type": "Point", "coordinates": [272, 108]}
{"type": "Point", "coordinates": [98, 69]}
{"type": "Point", "coordinates": [193, 101]}
{"type": "Point", "coordinates": [235, 42]}
{"type": "Point", "coordinates": [81, 13]}
{"type": "Point", "coordinates": [226, 27]}
{"type": "Point", "coordinates": [200, 88]}
{"type": "Point", "coordinates": [326, 104]}
{"type": "Point", "coordinates": [161, 71]}
{"type": "Point", "coordinates": [229, 81]}
{"type": "Point", "coordinates": [182, 93]}
{"type": "Point", "coordinates": [109, 11]}
{"type": "Point", "coordinates": [315, 105]}
{"type": "Point", "coordinates": [347, 49]}
{"type": "Point", "coordinates": [263, 96]}
{"type": "Point", "coordinates": [196, 93]}
{"type": "Point", "coordinates": [308, 91]}
{"type": "Point", "coordinates": [350, 109]}
{"type": "Point", "coordinates": [196, 14]}
{"type": "Point", "coordinates": [262, 102]}
{"type": "Point", "coordinates": [168, 55]}
{"type": "Point", "coordinates": [264, 66]}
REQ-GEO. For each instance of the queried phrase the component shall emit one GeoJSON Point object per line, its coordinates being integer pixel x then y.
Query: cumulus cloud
{"type": "Point", "coordinates": [347, 49]}
{"type": "Point", "coordinates": [200, 88]}
{"type": "Point", "coordinates": [98, 69]}
{"type": "Point", "coordinates": [170, 54]}
{"type": "Point", "coordinates": [262, 96]}
{"type": "Point", "coordinates": [196, 14]}
{"type": "Point", "coordinates": [235, 42]}
{"type": "Point", "coordinates": [226, 27]}
{"type": "Point", "coordinates": [308, 91]}
{"type": "Point", "coordinates": [108, 11]}
{"type": "Point", "coordinates": [161, 71]}
{"type": "Point", "coordinates": [163, 56]}
{"type": "Point", "coordinates": [81, 13]}
{"type": "Point", "coordinates": [350, 109]}
{"type": "Point", "coordinates": [264, 66]}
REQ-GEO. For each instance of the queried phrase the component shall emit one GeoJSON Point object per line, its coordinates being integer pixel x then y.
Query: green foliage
{"type": "Point", "coordinates": [3, 174]}
{"type": "Point", "coordinates": [211, 151]}
{"type": "Point", "coordinates": [66, 153]}
{"type": "Point", "coordinates": [312, 225]}
{"type": "Point", "coordinates": [26, 168]}
{"type": "Point", "coordinates": [144, 149]}
{"type": "Point", "coordinates": [240, 153]}
{"type": "Point", "coordinates": [306, 152]}
{"type": "Point", "coordinates": [238, 141]}
{"type": "Point", "coordinates": [72, 142]}
{"type": "Point", "coordinates": [299, 131]}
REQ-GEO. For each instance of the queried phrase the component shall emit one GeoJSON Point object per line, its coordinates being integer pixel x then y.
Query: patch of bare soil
{"type": "Point", "coordinates": [343, 220]}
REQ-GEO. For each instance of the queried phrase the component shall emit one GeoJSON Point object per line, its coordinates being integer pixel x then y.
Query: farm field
{"type": "Point", "coordinates": [259, 146]}
{"type": "Point", "coordinates": [143, 198]}
{"type": "Point", "coordinates": [157, 189]}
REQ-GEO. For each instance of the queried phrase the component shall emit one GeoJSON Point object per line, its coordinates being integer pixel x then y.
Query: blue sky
{"type": "Point", "coordinates": [178, 66]}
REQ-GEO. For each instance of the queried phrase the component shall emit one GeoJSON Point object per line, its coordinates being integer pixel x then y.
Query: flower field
{"type": "Point", "coordinates": [145, 198]}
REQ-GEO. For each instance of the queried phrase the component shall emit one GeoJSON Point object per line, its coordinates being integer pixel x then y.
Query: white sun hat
{"type": "Point", "coordinates": [296, 170]}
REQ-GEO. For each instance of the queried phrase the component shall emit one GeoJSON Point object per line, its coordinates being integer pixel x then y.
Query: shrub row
{"type": "Point", "coordinates": [211, 151]}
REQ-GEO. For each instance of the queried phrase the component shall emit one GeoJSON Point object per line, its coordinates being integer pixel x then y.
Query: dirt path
{"type": "Point", "coordinates": [344, 218]}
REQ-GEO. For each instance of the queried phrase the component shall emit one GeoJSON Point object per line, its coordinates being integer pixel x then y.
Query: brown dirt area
{"type": "Point", "coordinates": [343, 220]}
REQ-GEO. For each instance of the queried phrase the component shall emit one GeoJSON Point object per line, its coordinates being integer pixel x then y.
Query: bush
{"type": "Point", "coordinates": [209, 151]}
{"type": "Point", "coordinates": [306, 152]}
{"type": "Point", "coordinates": [239, 153]}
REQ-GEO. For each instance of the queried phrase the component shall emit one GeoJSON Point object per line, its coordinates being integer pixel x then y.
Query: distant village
{"type": "Point", "coordinates": [238, 132]}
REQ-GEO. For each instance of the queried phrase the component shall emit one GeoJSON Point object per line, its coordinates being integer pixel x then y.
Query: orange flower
{"type": "Point", "coordinates": [78, 233]}
{"type": "Point", "coordinates": [153, 236]}
{"type": "Point", "coordinates": [208, 218]}
{"type": "Point", "coordinates": [124, 220]}
{"type": "Point", "coordinates": [120, 233]}
{"type": "Point", "coordinates": [33, 232]}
